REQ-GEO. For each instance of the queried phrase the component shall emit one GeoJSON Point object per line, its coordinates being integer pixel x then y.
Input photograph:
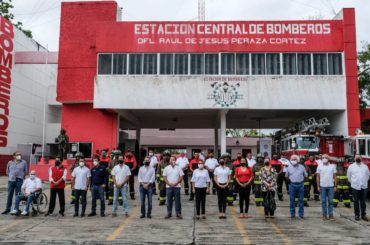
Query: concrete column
{"type": "Point", "coordinates": [215, 148]}
{"type": "Point", "coordinates": [223, 130]}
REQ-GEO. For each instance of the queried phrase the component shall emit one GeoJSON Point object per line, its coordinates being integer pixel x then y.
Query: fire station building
{"type": "Point", "coordinates": [114, 74]}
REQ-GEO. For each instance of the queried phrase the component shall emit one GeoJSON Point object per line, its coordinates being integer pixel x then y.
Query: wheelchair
{"type": "Point", "coordinates": [39, 205]}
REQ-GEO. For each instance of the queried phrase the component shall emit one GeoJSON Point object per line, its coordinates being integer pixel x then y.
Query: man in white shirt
{"type": "Point", "coordinates": [173, 176]}
{"type": "Point", "coordinates": [183, 163]}
{"type": "Point", "coordinates": [121, 175]}
{"type": "Point", "coordinates": [210, 165]}
{"type": "Point", "coordinates": [327, 183]}
{"type": "Point", "coordinates": [29, 187]}
{"type": "Point", "coordinates": [358, 176]}
{"type": "Point", "coordinates": [146, 178]}
{"type": "Point", "coordinates": [250, 160]}
{"type": "Point", "coordinates": [80, 184]}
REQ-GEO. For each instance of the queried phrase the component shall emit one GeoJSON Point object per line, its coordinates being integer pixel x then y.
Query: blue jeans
{"type": "Point", "coordinates": [327, 194]}
{"type": "Point", "coordinates": [173, 192]}
{"type": "Point", "coordinates": [13, 186]}
{"type": "Point", "coordinates": [22, 197]}
{"type": "Point", "coordinates": [146, 193]}
{"type": "Point", "coordinates": [97, 191]}
{"type": "Point", "coordinates": [123, 191]}
{"type": "Point", "coordinates": [296, 189]}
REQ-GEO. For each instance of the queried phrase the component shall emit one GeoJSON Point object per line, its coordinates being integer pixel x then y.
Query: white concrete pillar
{"type": "Point", "coordinates": [223, 130]}
{"type": "Point", "coordinates": [215, 148]}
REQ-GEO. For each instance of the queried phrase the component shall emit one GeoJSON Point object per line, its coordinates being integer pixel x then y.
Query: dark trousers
{"type": "Point", "coordinates": [200, 200]}
{"type": "Point", "coordinates": [267, 209]}
{"type": "Point", "coordinates": [211, 175]}
{"type": "Point", "coordinates": [315, 189]}
{"type": "Point", "coordinates": [221, 198]}
{"type": "Point", "coordinates": [14, 187]}
{"type": "Point", "coordinates": [97, 192]}
{"type": "Point", "coordinates": [132, 185]}
{"type": "Point", "coordinates": [280, 181]}
{"type": "Point", "coordinates": [53, 196]}
{"type": "Point", "coordinates": [173, 193]}
{"type": "Point", "coordinates": [244, 193]}
{"type": "Point", "coordinates": [81, 193]}
{"type": "Point", "coordinates": [186, 181]}
{"type": "Point", "coordinates": [359, 201]}
{"type": "Point", "coordinates": [146, 193]}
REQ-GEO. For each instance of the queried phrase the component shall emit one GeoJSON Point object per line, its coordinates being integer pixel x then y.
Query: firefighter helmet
{"type": "Point", "coordinates": [79, 155]}
{"type": "Point", "coordinates": [117, 152]}
{"type": "Point", "coordinates": [166, 154]}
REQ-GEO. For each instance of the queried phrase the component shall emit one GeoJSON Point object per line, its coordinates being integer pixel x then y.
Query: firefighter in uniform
{"type": "Point", "coordinates": [104, 160]}
{"type": "Point", "coordinates": [257, 183]}
{"type": "Point", "coordinates": [130, 161]}
{"type": "Point", "coordinates": [278, 166]}
{"type": "Point", "coordinates": [229, 163]}
{"type": "Point", "coordinates": [312, 165]}
{"type": "Point", "coordinates": [114, 156]}
{"type": "Point", "coordinates": [162, 184]}
{"type": "Point", "coordinates": [78, 156]}
{"type": "Point", "coordinates": [343, 186]}
{"type": "Point", "coordinates": [193, 165]}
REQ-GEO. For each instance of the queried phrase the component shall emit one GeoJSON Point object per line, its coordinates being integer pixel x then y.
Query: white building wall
{"type": "Point", "coordinates": [29, 97]}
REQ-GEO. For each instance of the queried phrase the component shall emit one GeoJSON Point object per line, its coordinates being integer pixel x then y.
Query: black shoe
{"type": "Point", "coordinates": [230, 204]}
{"type": "Point", "coordinates": [142, 216]}
{"type": "Point", "coordinates": [132, 197]}
{"type": "Point", "coordinates": [47, 214]}
{"type": "Point", "coordinates": [61, 214]}
{"type": "Point", "coordinates": [258, 204]}
{"type": "Point", "coordinates": [155, 193]}
{"type": "Point", "coordinates": [110, 203]}
{"type": "Point", "coordinates": [149, 216]}
{"type": "Point", "coordinates": [348, 206]}
{"type": "Point", "coordinates": [179, 216]}
{"type": "Point", "coordinates": [75, 215]}
{"type": "Point", "coordinates": [191, 199]}
{"type": "Point", "coordinates": [6, 212]}
{"type": "Point", "coordinates": [72, 202]}
{"type": "Point", "coordinates": [357, 218]}
{"type": "Point", "coordinates": [102, 215]}
{"type": "Point", "coordinates": [82, 215]}
{"type": "Point", "coordinates": [187, 193]}
{"type": "Point", "coordinates": [91, 214]}
{"type": "Point", "coordinates": [162, 203]}
{"type": "Point", "coordinates": [281, 199]}
{"type": "Point", "coordinates": [168, 216]}
{"type": "Point", "coordinates": [306, 205]}
{"type": "Point", "coordinates": [364, 218]}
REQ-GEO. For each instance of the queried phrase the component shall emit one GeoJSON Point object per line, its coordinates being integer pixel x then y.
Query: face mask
{"type": "Point", "coordinates": [358, 160]}
{"type": "Point", "coordinates": [239, 158]}
{"type": "Point", "coordinates": [267, 163]}
{"type": "Point", "coordinates": [81, 164]}
{"type": "Point", "coordinates": [325, 160]}
{"type": "Point", "coordinates": [32, 176]}
{"type": "Point", "coordinates": [96, 163]}
{"type": "Point", "coordinates": [120, 161]}
{"type": "Point", "coordinates": [201, 166]}
{"type": "Point", "coordinates": [222, 163]}
{"type": "Point", "coordinates": [243, 164]}
{"type": "Point", "coordinates": [151, 154]}
{"type": "Point", "coordinates": [57, 162]}
{"type": "Point", "coordinates": [146, 163]}
{"type": "Point", "coordinates": [18, 157]}
{"type": "Point", "coordinates": [294, 162]}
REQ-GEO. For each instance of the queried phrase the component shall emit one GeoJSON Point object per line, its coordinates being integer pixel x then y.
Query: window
{"type": "Point", "coordinates": [228, 63]}
{"type": "Point", "coordinates": [211, 63]}
{"type": "Point", "coordinates": [361, 144]}
{"type": "Point", "coordinates": [135, 64]}
{"type": "Point", "coordinates": [273, 63]}
{"type": "Point", "coordinates": [166, 64]}
{"type": "Point", "coordinates": [304, 64]}
{"type": "Point", "coordinates": [150, 64]}
{"type": "Point", "coordinates": [196, 63]}
{"type": "Point", "coordinates": [319, 64]}
{"type": "Point", "coordinates": [119, 63]}
{"type": "Point", "coordinates": [258, 64]}
{"type": "Point", "coordinates": [289, 64]}
{"type": "Point", "coordinates": [335, 64]}
{"type": "Point", "coordinates": [242, 64]}
{"type": "Point", "coordinates": [181, 64]}
{"type": "Point", "coordinates": [105, 64]}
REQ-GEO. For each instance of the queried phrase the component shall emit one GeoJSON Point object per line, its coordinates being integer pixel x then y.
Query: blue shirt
{"type": "Point", "coordinates": [16, 170]}
{"type": "Point", "coordinates": [296, 173]}
{"type": "Point", "coordinates": [99, 175]}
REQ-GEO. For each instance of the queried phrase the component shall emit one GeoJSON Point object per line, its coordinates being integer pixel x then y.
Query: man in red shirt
{"type": "Point", "coordinates": [193, 164]}
{"type": "Point", "coordinates": [278, 166]}
{"type": "Point", "coordinates": [312, 165]}
{"type": "Point", "coordinates": [130, 161]}
{"type": "Point", "coordinates": [57, 178]}
{"type": "Point", "coordinates": [236, 162]}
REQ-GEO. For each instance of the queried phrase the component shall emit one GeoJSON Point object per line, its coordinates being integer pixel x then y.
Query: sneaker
{"type": "Point", "coordinates": [6, 212]}
{"type": "Point", "coordinates": [24, 213]}
{"type": "Point", "coordinates": [114, 215]}
{"type": "Point", "coordinates": [91, 214]}
{"type": "Point", "coordinates": [364, 218]}
{"type": "Point", "coordinates": [331, 218]}
{"type": "Point", "coordinates": [14, 212]}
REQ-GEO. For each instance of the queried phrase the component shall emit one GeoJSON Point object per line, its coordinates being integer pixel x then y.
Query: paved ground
{"type": "Point", "coordinates": [133, 230]}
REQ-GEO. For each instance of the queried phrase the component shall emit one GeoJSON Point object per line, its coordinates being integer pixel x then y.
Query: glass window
{"type": "Point", "coordinates": [273, 63]}
{"type": "Point", "coordinates": [166, 64]}
{"type": "Point", "coordinates": [181, 63]}
{"type": "Point", "coordinates": [119, 63]}
{"type": "Point", "coordinates": [105, 64]}
{"type": "Point", "coordinates": [196, 63]}
{"type": "Point", "coordinates": [228, 63]}
{"type": "Point", "coordinates": [361, 146]}
{"type": "Point", "coordinates": [289, 64]}
{"type": "Point", "coordinates": [335, 64]}
{"type": "Point", "coordinates": [211, 63]}
{"type": "Point", "coordinates": [242, 64]}
{"type": "Point", "coordinates": [304, 64]}
{"type": "Point", "coordinates": [308, 142]}
{"type": "Point", "coordinates": [150, 64]}
{"type": "Point", "coordinates": [136, 61]}
{"type": "Point", "coordinates": [319, 64]}
{"type": "Point", "coordinates": [258, 64]}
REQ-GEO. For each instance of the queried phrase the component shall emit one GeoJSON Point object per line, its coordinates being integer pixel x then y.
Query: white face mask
{"type": "Point", "coordinates": [201, 166]}
{"type": "Point", "coordinates": [151, 154]}
{"type": "Point", "coordinates": [18, 157]}
{"type": "Point", "coordinates": [294, 162]}
{"type": "Point", "coordinates": [81, 164]}
{"type": "Point", "coordinates": [32, 176]}
{"type": "Point", "coordinates": [95, 163]}
{"type": "Point", "coordinates": [325, 160]}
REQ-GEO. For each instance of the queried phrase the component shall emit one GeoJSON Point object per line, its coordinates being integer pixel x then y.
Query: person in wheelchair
{"type": "Point", "coordinates": [31, 186]}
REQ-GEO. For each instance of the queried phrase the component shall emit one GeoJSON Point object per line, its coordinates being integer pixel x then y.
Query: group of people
{"type": "Point", "coordinates": [110, 178]}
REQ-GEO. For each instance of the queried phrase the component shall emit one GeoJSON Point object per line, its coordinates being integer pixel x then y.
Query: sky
{"type": "Point", "coordinates": [42, 17]}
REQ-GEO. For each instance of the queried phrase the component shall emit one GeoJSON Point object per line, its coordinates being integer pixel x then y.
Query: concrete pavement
{"type": "Point", "coordinates": [133, 230]}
